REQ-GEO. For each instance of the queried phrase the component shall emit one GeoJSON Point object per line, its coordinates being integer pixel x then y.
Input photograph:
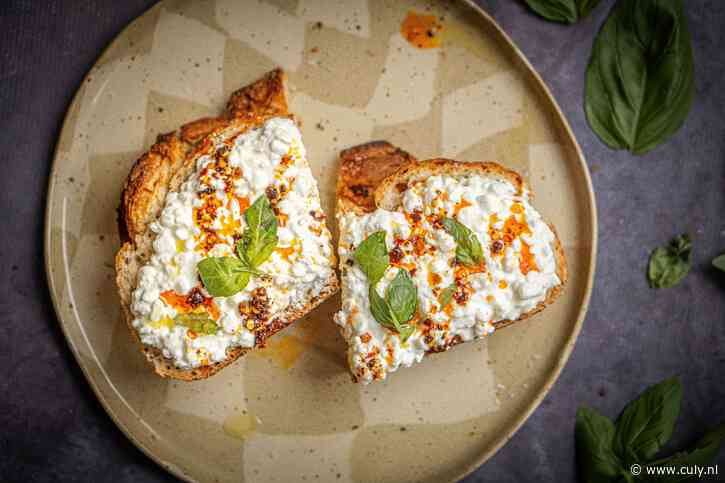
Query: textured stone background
{"type": "Point", "coordinates": [53, 429]}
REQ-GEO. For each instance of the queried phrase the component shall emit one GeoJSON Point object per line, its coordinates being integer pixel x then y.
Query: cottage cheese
{"type": "Point", "coordinates": [203, 218]}
{"type": "Point", "coordinates": [519, 269]}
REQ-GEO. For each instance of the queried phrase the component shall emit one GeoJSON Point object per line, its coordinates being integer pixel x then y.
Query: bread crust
{"type": "Point", "coordinates": [386, 193]}
{"type": "Point", "coordinates": [162, 169]}
{"type": "Point", "coordinates": [363, 168]}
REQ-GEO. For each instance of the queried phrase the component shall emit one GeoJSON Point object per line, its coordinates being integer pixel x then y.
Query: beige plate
{"type": "Point", "coordinates": [290, 412]}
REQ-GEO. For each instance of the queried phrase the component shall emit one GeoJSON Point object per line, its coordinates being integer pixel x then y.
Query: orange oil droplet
{"type": "Point", "coordinates": [527, 262]}
{"type": "Point", "coordinates": [422, 31]}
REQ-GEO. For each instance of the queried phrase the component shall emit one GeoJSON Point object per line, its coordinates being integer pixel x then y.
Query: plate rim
{"type": "Point", "coordinates": [554, 373]}
{"type": "Point", "coordinates": [564, 355]}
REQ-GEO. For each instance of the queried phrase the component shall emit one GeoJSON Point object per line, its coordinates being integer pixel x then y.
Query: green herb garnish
{"type": "Point", "coordinates": [372, 256]}
{"type": "Point", "coordinates": [646, 424]}
{"type": "Point", "coordinates": [719, 262]}
{"type": "Point", "coordinates": [668, 265]}
{"type": "Point", "coordinates": [606, 451]}
{"type": "Point", "coordinates": [594, 434]}
{"type": "Point", "coordinates": [225, 276]}
{"type": "Point", "coordinates": [198, 322]}
{"type": "Point", "coordinates": [445, 296]}
{"type": "Point", "coordinates": [398, 306]}
{"type": "Point", "coordinates": [639, 82]}
{"type": "Point", "coordinates": [468, 248]}
{"type": "Point", "coordinates": [564, 11]}
{"type": "Point", "coordinates": [260, 237]}
{"type": "Point", "coordinates": [705, 450]}
{"type": "Point", "coordinates": [401, 297]}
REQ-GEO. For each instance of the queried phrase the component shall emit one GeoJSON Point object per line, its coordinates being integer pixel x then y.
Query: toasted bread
{"type": "Point", "coordinates": [388, 172]}
{"type": "Point", "coordinates": [387, 195]}
{"type": "Point", "coordinates": [363, 168]}
{"type": "Point", "coordinates": [162, 170]}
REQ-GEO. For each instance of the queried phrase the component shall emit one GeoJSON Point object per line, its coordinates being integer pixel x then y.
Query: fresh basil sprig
{"type": "Point", "coordinates": [594, 434]}
{"type": "Point", "coordinates": [564, 11]}
{"type": "Point", "coordinates": [372, 256]}
{"type": "Point", "coordinates": [639, 82]}
{"type": "Point", "coordinates": [401, 297]}
{"type": "Point", "coordinates": [468, 248]}
{"type": "Point", "coordinates": [668, 265]}
{"type": "Point", "coordinates": [606, 451]}
{"type": "Point", "coordinates": [198, 322]}
{"type": "Point", "coordinates": [444, 298]}
{"type": "Point", "coordinates": [719, 262]}
{"type": "Point", "coordinates": [225, 276]}
{"type": "Point", "coordinates": [646, 424]}
{"type": "Point", "coordinates": [705, 450]}
{"type": "Point", "coordinates": [260, 237]}
{"type": "Point", "coordinates": [398, 306]}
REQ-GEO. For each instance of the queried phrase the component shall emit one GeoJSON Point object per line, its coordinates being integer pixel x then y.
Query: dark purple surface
{"type": "Point", "coordinates": [53, 429]}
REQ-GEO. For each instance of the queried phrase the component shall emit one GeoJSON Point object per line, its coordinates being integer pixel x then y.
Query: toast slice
{"type": "Point", "coordinates": [197, 183]}
{"type": "Point", "coordinates": [409, 203]}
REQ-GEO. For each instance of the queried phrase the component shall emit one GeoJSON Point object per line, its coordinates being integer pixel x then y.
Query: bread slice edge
{"type": "Point", "coordinates": [387, 195]}
{"type": "Point", "coordinates": [162, 169]}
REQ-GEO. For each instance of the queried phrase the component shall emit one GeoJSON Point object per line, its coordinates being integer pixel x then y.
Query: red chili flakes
{"type": "Point", "coordinates": [259, 305]}
{"type": "Point", "coordinates": [359, 190]}
{"type": "Point", "coordinates": [317, 215]}
{"type": "Point", "coordinates": [191, 302]}
{"type": "Point", "coordinates": [514, 226]}
{"type": "Point", "coordinates": [206, 214]}
{"type": "Point", "coordinates": [463, 293]}
{"type": "Point", "coordinates": [396, 255]}
{"type": "Point", "coordinates": [418, 245]}
{"type": "Point", "coordinates": [272, 193]}
{"type": "Point", "coordinates": [195, 297]}
{"type": "Point", "coordinates": [496, 247]}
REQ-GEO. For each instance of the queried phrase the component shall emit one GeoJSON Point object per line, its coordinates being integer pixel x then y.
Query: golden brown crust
{"type": "Point", "coordinates": [363, 168]}
{"type": "Point", "coordinates": [145, 188]}
{"type": "Point", "coordinates": [385, 193]}
{"type": "Point", "coordinates": [194, 131]}
{"type": "Point", "coordinates": [147, 182]}
{"type": "Point", "coordinates": [162, 169]}
{"type": "Point", "coordinates": [266, 97]}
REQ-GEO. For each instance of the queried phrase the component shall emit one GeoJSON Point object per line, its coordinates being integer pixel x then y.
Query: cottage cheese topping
{"type": "Point", "coordinates": [518, 270]}
{"type": "Point", "coordinates": [205, 218]}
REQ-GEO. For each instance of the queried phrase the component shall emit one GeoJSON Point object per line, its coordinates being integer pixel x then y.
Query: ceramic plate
{"type": "Point", "coordinates": [290, 412]}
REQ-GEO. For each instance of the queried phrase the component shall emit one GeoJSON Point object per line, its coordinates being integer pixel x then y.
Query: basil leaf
{"type": "Point", "coordinates": [398, 306]}
{"type": "Point", "coordinates": [260, 237]}
{"type": "Point", "coordinates": [703, 453]}
{"type": "Point", "coordinates": [380, 308]}
{"type": "Point", "coordinates": [564, 11]}
{"type": "Point", "coordinates": [596, 460]}
{"type": "Point", "coordinates": [444, 298]}
{"type": "Point", "coordinates": [586, 6]}
{"type": "Point", "coordinates": [405, 331]}
{"type": "Point", "coordinates": [468, 248]}
{"type": "Point", "coordinates": [223, 276]}
{"type": "Point", "coordinates": [668, 265]}
{"type": "Point", "coordinates": [646, 424]}
{"type": "Point", "coordinates": [198, 322]}
{"type": "Point", "coordinates": [719, 263]}
{"type": "Point", "coordinates": [402, 296]}
{"type": "Point", "coordinates": [372, 256]}
{"type": "Point", "coordinates": [639, 82]}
